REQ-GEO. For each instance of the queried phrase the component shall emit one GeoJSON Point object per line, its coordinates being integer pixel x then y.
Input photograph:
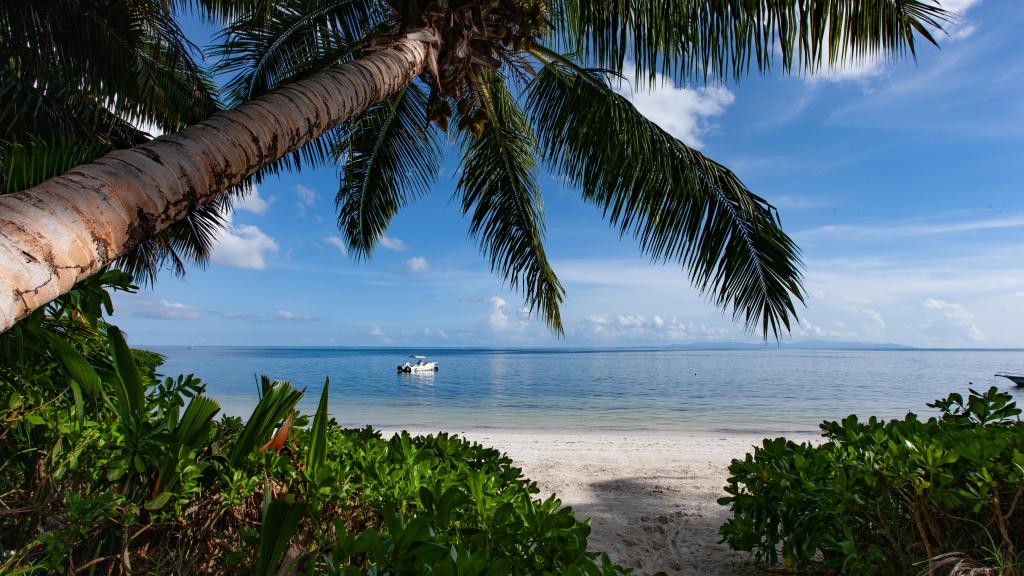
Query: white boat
{"type": "Point", "coordinates": [417, 364]}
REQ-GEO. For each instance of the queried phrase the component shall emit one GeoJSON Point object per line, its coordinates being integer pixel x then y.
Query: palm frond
{"type": "Point", "coordinates": [391, 156]}
{"type": "Point", "coordinates": [499, 192]}
{"type": "Point", "coordinates": [189, 240]}
{"type": "Point", "coordinates": [130, 57]}
{"type": "Point", "coordinates": [290, 39]}
{"type": "Point", "coordinates": [28, 165]}
{"type": "Point", "coordinates": [727, 38]}
{"type": "Point", "coordinates": [272, 44]}
{"type": "Point", "coordinates": [678, 204]}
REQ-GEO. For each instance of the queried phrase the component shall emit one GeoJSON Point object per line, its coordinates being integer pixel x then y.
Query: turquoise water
{"type": "Point", "coordinates": [763, 391]}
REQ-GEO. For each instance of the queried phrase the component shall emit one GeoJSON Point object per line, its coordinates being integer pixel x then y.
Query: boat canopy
{"type": "Point", "coordinates": [418, 357]}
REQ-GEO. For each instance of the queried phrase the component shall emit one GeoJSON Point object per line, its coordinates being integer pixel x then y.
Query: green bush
{"type": "Point", "coordinates": [888, 497]}
{"type": "Point", "coordinates": [107, 468]}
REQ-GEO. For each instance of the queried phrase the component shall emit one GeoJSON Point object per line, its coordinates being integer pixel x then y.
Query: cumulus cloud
{"type": "Point", "coordinates": [416, 265]}
{"type": "Point", "coordinates": [957, 316]}
{"type": "Point", "coordinates": [242, 246]}
{"type": "Point", "coordinates": [336, 242]}
{"type": "Point", "coordinates": [253, 202]}
{"type": "Point", "coordinates": [393, 244]}
{"type": "Point", "coordinates": [503, 318]}
{"type": "Point", "coordinates": [647, 328]}
{"type": "Point", "coordinates": [498, 319]}
{"type": "Point", "coordinates": [682, 112]}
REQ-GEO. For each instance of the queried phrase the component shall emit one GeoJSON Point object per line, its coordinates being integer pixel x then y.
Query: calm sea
{"type": "Point", "coordinates": [763, 391]}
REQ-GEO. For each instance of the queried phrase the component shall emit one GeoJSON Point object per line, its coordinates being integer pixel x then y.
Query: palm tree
{"type": "Point", "coordinates": [77, 80]}
{"type": "Point", "coordinates": [358, 77]}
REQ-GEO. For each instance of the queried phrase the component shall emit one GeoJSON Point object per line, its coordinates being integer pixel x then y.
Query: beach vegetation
{"type": "Point", "coordinates": [942, 495]}
{"type": "Point", "coordinates": [106, 467]}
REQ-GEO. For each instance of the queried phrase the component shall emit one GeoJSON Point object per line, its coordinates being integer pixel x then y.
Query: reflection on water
{"type": "Point", "coordinates": [758, 390]}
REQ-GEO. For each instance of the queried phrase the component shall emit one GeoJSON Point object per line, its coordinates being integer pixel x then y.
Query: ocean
{"type": "Point", "coordinates": [769, 391]}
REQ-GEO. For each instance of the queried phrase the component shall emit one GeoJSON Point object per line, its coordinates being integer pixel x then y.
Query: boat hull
{"type": "Point", "coordinates": [414, 368]}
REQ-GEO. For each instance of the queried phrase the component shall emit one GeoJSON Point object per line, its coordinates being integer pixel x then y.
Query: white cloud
{"type": "Point", "coordinates": [253, 202]}
{"type": "Point", "coordinates": [242, 246]}
{"type": "Point", "coordinates": [393, 244]}
{"type": "Point", "coordinates": [498, 319]}
{"type": "Point", "coordinates": [959, 7]}
{"type": "Point", "coordinates": [875, 317]}
{"type": "Point", "coordinates": [682, 112]}
{"type": "Point", "coordinates": [503, 318]}
{"type": "Point", "coordinates": [915, 228]}
{"type": "Point", "coordinates": [957, 316]}
{"type": "Point", "coordinates": [307, 197]}
{"type": "Point", "coordinates": [336, 242]}
{"type": "Point", "coordinates": [163, 310]}
{"type": "Point", "coordinates": [653, 328]}
{"type": "Point", "coordinates": [851, 71]}
{"type": "Point", "coordinates": [416, 265]}
{"type": "Point", "coordinates": [290, 317]}
{"type": "Point", "coordinates": [430, 332]}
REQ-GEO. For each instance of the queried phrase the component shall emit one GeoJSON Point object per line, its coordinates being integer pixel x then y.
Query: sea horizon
{"type": "Point", "coordinates": [652, 390]}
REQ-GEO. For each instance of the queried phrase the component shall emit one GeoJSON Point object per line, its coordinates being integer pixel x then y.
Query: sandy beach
{"type": "Point", "coordinates": [651, 498]}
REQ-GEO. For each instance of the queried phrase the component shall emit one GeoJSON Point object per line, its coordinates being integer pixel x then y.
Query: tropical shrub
{"type": "Point", "coordinates": [889, 497]}
{"type": "Point", "coordinates": [107, 467]}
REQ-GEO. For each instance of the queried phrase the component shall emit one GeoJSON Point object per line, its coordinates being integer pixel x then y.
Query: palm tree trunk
{"type": "Point", "coordinates": [69, 227]}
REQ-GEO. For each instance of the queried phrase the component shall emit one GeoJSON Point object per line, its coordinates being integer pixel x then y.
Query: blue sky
{"type": "Point", "coordinates": [900, 182]}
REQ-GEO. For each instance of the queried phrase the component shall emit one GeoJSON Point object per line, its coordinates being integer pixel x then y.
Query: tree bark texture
{"type": "Point", "coordinates": [71, 226]}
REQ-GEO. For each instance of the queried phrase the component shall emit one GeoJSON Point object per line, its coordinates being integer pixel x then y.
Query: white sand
{"type": "Point", "coordinates": [652, 498]}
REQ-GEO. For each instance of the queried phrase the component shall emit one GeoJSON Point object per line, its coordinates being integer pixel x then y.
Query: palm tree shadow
{"type": "Point", "coordinates": [660, 524]}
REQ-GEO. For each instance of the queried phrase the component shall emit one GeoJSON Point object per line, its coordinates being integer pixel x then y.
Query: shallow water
{"type": "Point", "coordinates": [763, 391]}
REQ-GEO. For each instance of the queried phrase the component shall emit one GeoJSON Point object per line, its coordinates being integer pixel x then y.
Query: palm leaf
{"type": "Point", "coordinates": [391, 156]}
{"type": "Point", "coordinates": [273, 43]}
{"type": "Point", "coordinates": [499, 192]}
{"type": "Point", "coordinates": [726, 38]}
{"type": "Point", "coordinates": [316, 451]}
{"type": "Point", "coordinates": [275, 405]}
{"type": "Point", "coordinates": [32, 164]}
{"type": "Point", "coordinates": [678, 204]}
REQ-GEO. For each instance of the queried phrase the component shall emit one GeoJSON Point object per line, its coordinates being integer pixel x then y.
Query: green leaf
{"type": "Point", "coordinates": [196, 422]}
{"type": "Point", "coordinates": [726, 39]}
{"type": "Point", "coordinates": [159, 502]}
{"type": "Point", "coordinates": [280, 523]}
{"type": "Point", "coordinates": [277, 402]}
{"type": "Point", "coordinates": [499, 192]}
{"type": "Point", "coordinates": [128, 387]}
{"type": "Point", "coordinates": [678, 204]}
{"type": "Point", "coordinates": [316, 452]}
{"type": "Point", "coordinates": [74, 364]}
{"type": "Point", "coordinates": [391, 157]}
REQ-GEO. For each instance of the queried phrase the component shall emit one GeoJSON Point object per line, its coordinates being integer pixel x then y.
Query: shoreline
{"type": "Point", "coordinates": [651, 495]}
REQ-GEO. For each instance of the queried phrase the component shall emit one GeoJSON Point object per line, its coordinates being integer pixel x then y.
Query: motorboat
{"type": "Point", "coordinates": [1017, 379]}
{"type": "Point", "coordinates": [417, 364]}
